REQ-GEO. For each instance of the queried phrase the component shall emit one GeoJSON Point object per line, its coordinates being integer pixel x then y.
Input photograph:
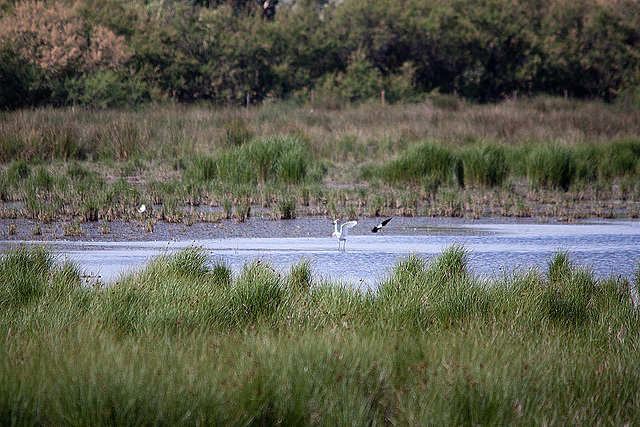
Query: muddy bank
{"type": "Point", "coordinates": [254, 227]}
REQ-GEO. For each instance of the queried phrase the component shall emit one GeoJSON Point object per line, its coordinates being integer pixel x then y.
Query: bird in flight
{"type": "Point", "coordinates": [379, 226]}
{"type": "Point", "coordinates": [342, 233]}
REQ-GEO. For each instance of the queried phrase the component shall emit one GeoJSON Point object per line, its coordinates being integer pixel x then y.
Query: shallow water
{"type": "Point", "coordinates": [607, 247]}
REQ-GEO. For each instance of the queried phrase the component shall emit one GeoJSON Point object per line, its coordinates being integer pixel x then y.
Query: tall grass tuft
{"type": "Point", "coordinates": [485, 165]}
{"type": "Point", "coordinates": [551, 166]}
{"type": "Point", "coordinates": [620, 158]}
{"type": "Point", "coordinates": [191, 263]}
{"type": "Point", "coordinates": [427, 159]}
{"type": "Point", "coordinates": [300, 276]}
{"type": "Point", "coordinates": [18, 171]}
{"type": "Point", "coordinates": [25, 272]}
{"type": "Point", "coordinates": [256, 293]}
{"type": "Point", "coordinates": [202, 169]}
{"type": "Point", "coordinates": [568, 296]}
{"type": "Point", "coordinates": [271, 160]}
{"type": "Point", "coordinates": [417, 293]}
{"type": "Point", "coordinates": [222, 275]}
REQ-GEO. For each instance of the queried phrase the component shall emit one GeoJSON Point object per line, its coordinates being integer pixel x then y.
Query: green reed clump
{"type": "Point", "coordinates": [456, 294]}
{"type": "Point", "coordinates": [559, 267]}
{"type": "Point", "coordinates": [42, 180]}
{"type": "Point", "coordinates": [39, 137]}
{"type": "Point", "coordinates": [313, 380]}
{"type": "Point", "coordinates": [202, 169]}
{"type": "Point", "coordinates": [282, 160]}
{"type": "Point", "coordinates": [121, 197]}
{"type": "Point", "coordinates": [11, 142]}
{"type": "Point", "coordinates": [451, 265]}
{"type": "Point", "coordinates": [60, 140]}
{"type": "Point", "coordinates": [485, 165]}
{"type": "Point", "coordinates": [300, 276]}
{"type": "Point", "coordinates": [551, 166]}
{"type": "Point", "coordinates": [24, 274]}
{"type": "Point", "coordinates": [256, 293]}
{"type": "Point", "coordinates": [222, 274]}
{"type": "Point", "coordinates": [568, 296]}
{"type": "Point", "coordinates": [408, 270]}
{"type": "Point", "coordinates": [425, 159]}
{"type": "Point", "coordinates": [620, 158]}
{"type": "Point", "coordinates": [17, 172]}
{"type": "Point", "coordinates": [417, 293]}
{"type": "Point", "coordinates": [34, 281]}
{"type": "Point", "coordinates": [186, 264]}
{"type": "Point", "coordinates": [191, 263]}
{"type": "Point", "coordinates": [125, 307]}
{"type": "Point", "coordinates": [173, 293]}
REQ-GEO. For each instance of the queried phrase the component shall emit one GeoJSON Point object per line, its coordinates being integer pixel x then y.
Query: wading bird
{"type": "Point", "coordinates": [379, 226]}
{"type": "Point", "coordinates": [142, 209]}
{"type": "Point", "coordinates": [342, 234]}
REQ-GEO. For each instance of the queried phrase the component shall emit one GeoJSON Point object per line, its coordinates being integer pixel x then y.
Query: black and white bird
{"type": "Point", "coordinates": [342, 233]}
{"type": "Point", "coordinates": [379, 226]}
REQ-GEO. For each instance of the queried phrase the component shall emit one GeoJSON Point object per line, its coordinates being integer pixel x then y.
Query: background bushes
{"type": "Point", "coordinates": [125, 52]}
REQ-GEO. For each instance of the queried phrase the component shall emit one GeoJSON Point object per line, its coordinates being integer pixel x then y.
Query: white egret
{"type": "Point", "coordinates": [379, 226]}
{"type": "Point", "coordinates": [142, 209]}
{"type": "Point", "coordinates": [342, 234]}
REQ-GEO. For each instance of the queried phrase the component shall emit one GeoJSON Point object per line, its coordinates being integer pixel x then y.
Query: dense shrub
{"type": "Point", "coordinates": [122, 52]}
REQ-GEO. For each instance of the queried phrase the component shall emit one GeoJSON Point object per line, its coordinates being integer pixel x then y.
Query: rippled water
{"type": "Point", "coordinates": [608, 247]}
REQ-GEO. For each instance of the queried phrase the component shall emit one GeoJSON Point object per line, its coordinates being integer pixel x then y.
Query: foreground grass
{"type": "Point", "coordinates": [184, 341]}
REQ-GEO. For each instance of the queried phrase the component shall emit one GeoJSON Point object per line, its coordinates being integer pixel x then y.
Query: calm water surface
{"type": "Point", "coordinates": [607, 247]}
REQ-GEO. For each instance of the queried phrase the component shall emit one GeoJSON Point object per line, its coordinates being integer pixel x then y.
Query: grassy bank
{"type": "Point", "coordinates": [184, 340]}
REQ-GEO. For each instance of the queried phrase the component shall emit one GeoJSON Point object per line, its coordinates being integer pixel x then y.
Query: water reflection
{"type": "Point", "coordinates": [607, 247]}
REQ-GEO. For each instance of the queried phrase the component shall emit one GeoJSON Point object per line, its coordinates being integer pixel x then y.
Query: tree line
{"type": "Point", "coordinates": [122, 52]}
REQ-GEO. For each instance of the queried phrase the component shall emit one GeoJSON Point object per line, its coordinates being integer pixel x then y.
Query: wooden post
{"type": "Point", "coordinates": [626, 101]}
{"type": "Point", "coordinates": [515, 97]}
{"type": "Point", "coordinates": [382, 97]}
{"type": "Point", "coordinates": [248, 100]}
{"type": "Point", "coordinates": [313, 94]}
{"type": "Point", "coordinates": [566, 95]}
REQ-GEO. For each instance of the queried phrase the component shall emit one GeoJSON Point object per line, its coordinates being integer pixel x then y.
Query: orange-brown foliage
{"type": "Point", "coordinates": [54, 37]}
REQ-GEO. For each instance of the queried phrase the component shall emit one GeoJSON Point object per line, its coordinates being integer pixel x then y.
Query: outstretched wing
{"type": "Point", "coordinates": [386, 221]}
{"type": "Point", "coordinates": [344, 228]}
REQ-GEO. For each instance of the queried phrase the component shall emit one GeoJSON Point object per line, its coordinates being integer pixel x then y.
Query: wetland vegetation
{"type": "Point", "coordinates": [183, 340]}
{"type": "Point", "coordinates": [546, 157]}
{"type": "Point", "coordinates": [354, 108]}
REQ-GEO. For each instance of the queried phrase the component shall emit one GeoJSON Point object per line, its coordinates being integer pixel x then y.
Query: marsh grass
{"type": "Point", "coordinates": [485, 165]}
{"type": "Point", "coordinates": [184, 341]}
{"type": "Point", "coordinates": [56, 161]}
{"type": "Point", "coordinates": [552, 166]}
{"type": "Point", "coordinates": [426, 159]}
